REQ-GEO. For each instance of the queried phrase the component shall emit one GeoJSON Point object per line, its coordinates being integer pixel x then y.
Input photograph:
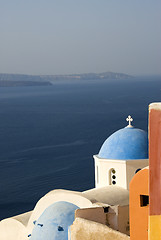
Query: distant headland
{"type": "Point", "coordinates": [14, 80]}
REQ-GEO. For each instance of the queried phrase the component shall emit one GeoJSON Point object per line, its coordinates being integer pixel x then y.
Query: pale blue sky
{"type": "Point", "coordinates": [80, 36]}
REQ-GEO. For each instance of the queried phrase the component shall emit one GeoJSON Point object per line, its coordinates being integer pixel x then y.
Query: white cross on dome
{"type": "Point", "coordinates": [129, 119]}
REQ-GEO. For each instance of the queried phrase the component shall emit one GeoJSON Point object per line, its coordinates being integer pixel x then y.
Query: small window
{"type": "Point", "coordinates": [106, 209]}
{"type": "Point", "coordinates": [112, 176]}
{"type": "Point", "coordinates": [144, 200]}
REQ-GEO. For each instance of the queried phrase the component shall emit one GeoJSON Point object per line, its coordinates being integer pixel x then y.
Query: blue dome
{"type": "Point", "coordinates": [54, 222]}
{"type": "Point", "coordinates": [126, 143]}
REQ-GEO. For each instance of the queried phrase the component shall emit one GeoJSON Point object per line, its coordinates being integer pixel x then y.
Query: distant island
{"type": "Point", "coordinates": [14, 80]}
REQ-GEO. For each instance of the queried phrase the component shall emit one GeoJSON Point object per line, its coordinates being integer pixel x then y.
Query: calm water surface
{"type": "Point", "coordinates": [48, 135]}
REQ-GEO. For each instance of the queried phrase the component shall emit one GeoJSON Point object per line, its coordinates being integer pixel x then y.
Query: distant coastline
{"type": "Point", "coordinates": [14, 80]}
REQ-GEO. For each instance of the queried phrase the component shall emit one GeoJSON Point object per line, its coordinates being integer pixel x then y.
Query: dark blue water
{"type": "Point", "coordinates": [48, 135]}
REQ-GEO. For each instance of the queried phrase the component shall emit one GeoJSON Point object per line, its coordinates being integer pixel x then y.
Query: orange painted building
{"type": "Point", "coordinates": [139, 205]}
{"type": "Point", "coordinates": [155, 171]}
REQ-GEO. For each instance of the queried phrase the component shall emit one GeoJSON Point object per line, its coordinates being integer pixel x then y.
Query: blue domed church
{"type": "Point", "coordinates": [122, 154]}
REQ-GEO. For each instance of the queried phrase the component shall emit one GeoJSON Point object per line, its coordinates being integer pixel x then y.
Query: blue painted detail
{"type": "Point", "coordinates": [29, 235]}
{"type": "Point", "coordinates": [55, 219]}
{"type": "Point", "coordinates": [34, 222]}
{"type": "Point", "coordinates": [60, 228]}
{"type": "Point", "coordinates": [39, 224]}
{"type": "Point", "coordinates": [126, 143]}
{"type": "Point", "coordinates": [137, 170]}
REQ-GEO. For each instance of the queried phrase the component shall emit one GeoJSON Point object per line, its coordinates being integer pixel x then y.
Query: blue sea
{"type": "Point", "coordinates": [48, 135]}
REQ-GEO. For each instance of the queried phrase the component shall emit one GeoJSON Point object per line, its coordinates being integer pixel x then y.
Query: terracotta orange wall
{"type": "Point", "coordinates": [155, 171]}
{"type": "Point", "coordinates": [155, 161]}
{"type": "Point", "coordinates": [138, 214]}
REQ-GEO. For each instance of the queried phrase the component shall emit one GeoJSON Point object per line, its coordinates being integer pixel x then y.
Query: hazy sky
{"type": "Point", "coordinates": [78, 36]}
